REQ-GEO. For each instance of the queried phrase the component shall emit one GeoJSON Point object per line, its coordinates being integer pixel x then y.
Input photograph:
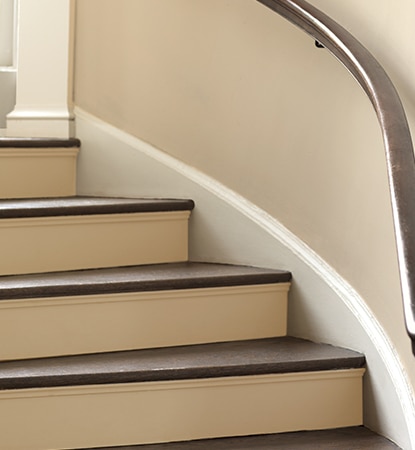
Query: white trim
{"type": "Point", "coordinates": [8, 69]}
{"type": "Point", "coordinates": [34, 113]}
{"type": "Point", "coordinates": [44, 82]}
{"type": "Point", "coordinates": [40, 121]}
{"type": "Point", "coordinates": [345, 292]}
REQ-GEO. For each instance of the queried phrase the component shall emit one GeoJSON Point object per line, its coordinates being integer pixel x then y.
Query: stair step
{"type": "Point", "coordinates": [179, 394]}
{"type": "Point", "coordinates": [158, 277]}
{"type": "Point", "coordinates": [137, 307]}
{"type": "Point", "coordinates": [353, 438]}
{"type": "Point", "coordinates": [37, 167]}
{"type": "Point", "coordinates": [45, 235]}
{"type": "Point", "coordinates": [227, 359]}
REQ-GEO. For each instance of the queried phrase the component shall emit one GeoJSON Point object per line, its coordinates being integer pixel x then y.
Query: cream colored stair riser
{"type": "Point", "coordinates": [51, 244]}
{"type": "Point", "coordinates": [43, 172]}
{"type": "Point", "coordinates": [99, 323]}
{"type": "Point", "coordinates": [95, 416]}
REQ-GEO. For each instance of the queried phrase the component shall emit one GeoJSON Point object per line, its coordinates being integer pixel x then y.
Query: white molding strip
{"type": "Point", "coordinates": [348, 295]}
{"type": "Point", "coordinates": [41, 121]}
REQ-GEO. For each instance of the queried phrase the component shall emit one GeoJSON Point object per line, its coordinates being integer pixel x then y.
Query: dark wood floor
{"type": "Point", "coordinates": [357, 438]}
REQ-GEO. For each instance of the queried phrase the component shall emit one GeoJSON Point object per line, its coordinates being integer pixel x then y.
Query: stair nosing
{"type": "Point", "coordinates": [23, 142]}
{"type": "Point", "coordinates": [88, 205]}
{"type": "Point", "coordinates": [144, 278]}
{"type": "Point", "coordinates": [268, 356]}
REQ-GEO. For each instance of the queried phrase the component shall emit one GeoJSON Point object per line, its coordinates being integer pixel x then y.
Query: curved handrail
{"type": "Point", "coordinates": [396, 134]}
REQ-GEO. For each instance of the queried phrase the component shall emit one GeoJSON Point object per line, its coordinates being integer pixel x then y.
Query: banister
{"type": "Point", "coordinates": [396, 134]}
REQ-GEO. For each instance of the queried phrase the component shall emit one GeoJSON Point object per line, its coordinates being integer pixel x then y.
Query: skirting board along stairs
{"type": "Point", "coordinates": [115, 339]}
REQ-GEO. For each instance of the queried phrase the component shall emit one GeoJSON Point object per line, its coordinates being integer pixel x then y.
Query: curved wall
{"type": "Point", "coordinates": [235, 91]}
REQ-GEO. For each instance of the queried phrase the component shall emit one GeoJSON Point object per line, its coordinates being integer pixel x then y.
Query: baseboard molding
{"type": "Point", "coordinates": [392, 408]}
{"type": "Point", "coordinates": [53, 122]}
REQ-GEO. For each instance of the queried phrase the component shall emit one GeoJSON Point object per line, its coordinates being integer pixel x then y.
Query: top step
{"type": "Point", "coordinates": [38, 167]}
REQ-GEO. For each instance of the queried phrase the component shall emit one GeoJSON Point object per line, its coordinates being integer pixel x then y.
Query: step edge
{"type": "Point", "coordinates": [137, 286]}
{"type": "Point", "coordinates": [186, 383]}
{"type": "Point", "coordinates": [136, 296]}
{"type": "Point", "coordinates": [31, 211]}
{"type": "Point", "coordinates": [51, 381]}
{"type": "Point", "coordinates": [38, 142]}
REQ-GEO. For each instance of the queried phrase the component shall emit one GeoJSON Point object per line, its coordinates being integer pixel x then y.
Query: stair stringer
{"type": "Point", "coordinates": [225, 227]}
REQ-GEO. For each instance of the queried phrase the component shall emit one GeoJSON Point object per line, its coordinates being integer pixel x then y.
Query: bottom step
{"type": "Point", "coordinates": [178, 394]}
{"type": "Point", "coordinates": [354, 438]}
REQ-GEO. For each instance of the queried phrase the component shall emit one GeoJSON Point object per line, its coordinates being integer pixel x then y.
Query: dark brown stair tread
{"type": "Point", "coordinates": [188, 275]}
{"type": "Point", "coordinates": [38, 142]}
{"type": "Point", "coordinates": [84, 205]}
{"type": "Point", "coordinates": [354, 438]}
{"type": "Point", "coordinates": [240, 358]}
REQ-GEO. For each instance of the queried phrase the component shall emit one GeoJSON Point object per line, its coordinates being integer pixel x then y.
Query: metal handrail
{"type": "Point", "coordinates": [396, 134]}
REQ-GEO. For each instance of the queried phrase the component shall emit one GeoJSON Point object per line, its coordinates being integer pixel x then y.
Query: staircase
{"type": "Point", "coordinates": [112, 338]}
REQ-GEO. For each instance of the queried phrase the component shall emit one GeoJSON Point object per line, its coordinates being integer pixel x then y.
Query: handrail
{"type": "Point", "coordinates": [396, 134]}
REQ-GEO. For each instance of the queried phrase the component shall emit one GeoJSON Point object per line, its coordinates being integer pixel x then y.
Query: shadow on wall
{"type": "Point", "coordinates": [7, 94]}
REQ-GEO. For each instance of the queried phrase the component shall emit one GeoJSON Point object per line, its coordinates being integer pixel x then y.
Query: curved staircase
{"type": "Point", "coordinates": [112, 338]}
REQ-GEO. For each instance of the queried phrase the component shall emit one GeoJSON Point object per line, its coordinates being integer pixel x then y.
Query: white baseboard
{"type": "Point", "coordinates": [53, 122]}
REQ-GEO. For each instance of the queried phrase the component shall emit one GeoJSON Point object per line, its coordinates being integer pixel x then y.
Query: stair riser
{"type": "Point", "coordinates": [37, 172]}
{"type": "Point", "coordinates": [92, 324]}
{"type": "Point", "coordinates": [34, 245]}
{"type": "Point", "coordinates": [83, 417]}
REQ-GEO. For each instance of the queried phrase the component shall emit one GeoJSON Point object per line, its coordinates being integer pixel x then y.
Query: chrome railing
{"type": "Point", "coordinates": [394, 126]}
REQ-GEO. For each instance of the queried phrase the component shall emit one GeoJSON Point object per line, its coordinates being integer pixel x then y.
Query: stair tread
{"type": "Point", "coordinates": [353, 438]}
{"type": "Point", "coordinates": [24, 142]}
{"type": "Point", "coordinates": [239, 358]}
{"type": "Point", "coordinates": [87, 205]}
{"type": "Point", "coordinates": [187, 275]}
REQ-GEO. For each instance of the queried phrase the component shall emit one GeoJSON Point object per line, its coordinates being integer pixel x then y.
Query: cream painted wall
{"type": "Point", "coordinates": [387, 29]}
{"type": "Point", "coordinates": [234, 90]}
